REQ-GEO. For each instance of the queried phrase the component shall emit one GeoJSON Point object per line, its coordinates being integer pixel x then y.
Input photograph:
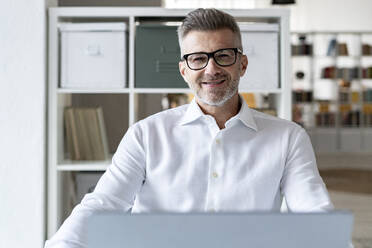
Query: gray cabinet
{"type": "Point", "coordinates": [157, 54]}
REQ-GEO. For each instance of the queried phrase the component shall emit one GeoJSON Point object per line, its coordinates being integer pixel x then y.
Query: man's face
{"type": "Point", "coordinates": [213, 85]}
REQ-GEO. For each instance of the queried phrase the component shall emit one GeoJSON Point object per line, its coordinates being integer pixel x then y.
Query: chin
{"type": "Point", "coordinates": [217, 101]}
{"type": "Point", "coordinates": [214, 103]}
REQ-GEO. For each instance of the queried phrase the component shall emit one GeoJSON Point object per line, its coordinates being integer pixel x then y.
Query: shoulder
{"type": "Point", "coordinates": [269, 122]}
{"type": "Point", "coordinates": [169, 117]}
{"type": "Point", "coordinates": [288, 133]}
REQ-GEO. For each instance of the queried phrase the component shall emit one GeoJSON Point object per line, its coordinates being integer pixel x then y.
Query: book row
{"type": "Point", "coordinates": [354, 96]}
{"type": "Point", "coordinates": [344, 73]}
{"type": "Point", "coordinates": [85, 133]}
{"type": "Point", "coordinates": [347, 119]}
{"type": "Point", "coordinates": [366, 49]}
{"type": "Point", "coordinates": [302, 49]}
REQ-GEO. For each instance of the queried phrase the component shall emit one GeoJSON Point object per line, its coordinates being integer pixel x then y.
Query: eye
{"type": "Point", "coordinates": [197, 58]}
{"type": "Point", "coordinates": [223, 55]}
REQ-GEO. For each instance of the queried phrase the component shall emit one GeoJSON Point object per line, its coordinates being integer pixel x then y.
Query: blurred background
{"type": "Point", "coordinates": [47, 96]}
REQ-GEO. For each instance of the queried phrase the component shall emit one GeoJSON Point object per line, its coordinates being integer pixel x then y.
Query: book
{"type": "Point", "coordinates": [366, 50]}
{"type": "Point", "coordinates": [93, 133]}
{"type": "Point", "coordinates": [102, 133]}
{"type": "Point", "coordinates": [97, 133]}
{"type": "Point", "coordinates": [85, 133]}
{"type": "Point", "coordinates": [342, 49]}
{"type": "Point", "coordinates": [67, 132]}
{"type": "Point", "coordinates": [71, 134]}
{"type": "Point", "coordinates": [331, 51]}
{"type": "Point", "coordinates": [87, 153]}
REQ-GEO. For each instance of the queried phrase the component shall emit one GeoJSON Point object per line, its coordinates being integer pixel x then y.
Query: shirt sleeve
{"type": "Point", "coordinates": [301, 184]}
{"type": "Point", "coordinates": [115, 190]}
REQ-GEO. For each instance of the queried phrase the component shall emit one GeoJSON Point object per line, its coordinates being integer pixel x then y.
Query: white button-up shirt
{"type": "Point", "coordinates": [180, 161]}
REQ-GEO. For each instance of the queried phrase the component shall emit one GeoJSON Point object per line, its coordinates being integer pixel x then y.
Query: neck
{"type": "Point", "coordinates": [222, 113]}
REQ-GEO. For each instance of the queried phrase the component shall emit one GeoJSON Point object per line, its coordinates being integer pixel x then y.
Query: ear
{"type": "Point", "coordinates": [182, 68]}
{"type": "Point", "coordinates": [243, 64]}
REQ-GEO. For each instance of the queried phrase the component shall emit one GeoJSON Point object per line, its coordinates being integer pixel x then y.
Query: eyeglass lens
{"type": "Point", "coordinates": [223, 57]}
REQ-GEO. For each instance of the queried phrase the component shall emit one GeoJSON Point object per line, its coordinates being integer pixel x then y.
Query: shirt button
{"type": "Point", "coordinates": [218, 141]}
{"type": "Point", "coordinates": [214, 174]}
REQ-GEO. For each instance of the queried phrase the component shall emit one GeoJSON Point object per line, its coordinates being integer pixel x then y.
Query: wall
{"type": "Point", "coordinates": [22, 123]}
{"type": "Point", "coordinates": [327, 15]}
{"type": "Point", "coordinates": [335, 15]}
{"type": "Point", "coordinates": [71, 3]}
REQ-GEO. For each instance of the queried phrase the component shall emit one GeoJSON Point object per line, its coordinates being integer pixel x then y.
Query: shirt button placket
{"type": "Point", "coordinates": [215, 166]}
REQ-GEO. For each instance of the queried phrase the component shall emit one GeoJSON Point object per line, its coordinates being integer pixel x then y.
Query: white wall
{"type": "Point", "coordinates": [328, 15]}
{"type": "Point", "coordinates": [22, 123]}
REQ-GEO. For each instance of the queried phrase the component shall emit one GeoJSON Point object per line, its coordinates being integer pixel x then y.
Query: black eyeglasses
{"type": "Point", "coordinates": [222, 57]}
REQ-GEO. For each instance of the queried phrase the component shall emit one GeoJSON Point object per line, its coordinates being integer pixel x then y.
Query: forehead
{"type": "Point", "coordinates": [208, 41]}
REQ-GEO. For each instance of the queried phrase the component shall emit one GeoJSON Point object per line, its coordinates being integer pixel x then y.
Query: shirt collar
{"type": "Point", "coordinates": [193, 112]}
{"type": "Point", "coordinates": [245, 115]}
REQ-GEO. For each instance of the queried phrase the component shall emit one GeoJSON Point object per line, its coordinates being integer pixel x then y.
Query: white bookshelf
{"type": "Point", "coordinates": [337, 137]}
{"type": "Point", "coordinates": [58, 98]}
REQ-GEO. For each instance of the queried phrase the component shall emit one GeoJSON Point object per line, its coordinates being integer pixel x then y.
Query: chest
{"type": "Point", "coordinates": [232, 158]}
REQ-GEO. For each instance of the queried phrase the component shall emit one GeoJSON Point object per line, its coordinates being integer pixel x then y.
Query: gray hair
{"type": "Point", "coordinates": [208, 20]}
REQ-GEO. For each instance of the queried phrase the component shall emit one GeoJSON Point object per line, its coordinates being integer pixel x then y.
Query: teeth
{"type": "Point", "coordinates": [214, 82]}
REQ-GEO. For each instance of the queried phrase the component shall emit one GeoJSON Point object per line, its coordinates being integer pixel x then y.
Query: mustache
{"type": "Point", "coordinates": [213, 78]}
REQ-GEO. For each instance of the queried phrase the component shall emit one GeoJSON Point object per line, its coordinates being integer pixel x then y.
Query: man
{"type": "Point", "coordinates": [214, 154]}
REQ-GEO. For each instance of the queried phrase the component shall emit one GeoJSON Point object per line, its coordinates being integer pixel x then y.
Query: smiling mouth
{"type": "Point", "coordinates": [214, 83]}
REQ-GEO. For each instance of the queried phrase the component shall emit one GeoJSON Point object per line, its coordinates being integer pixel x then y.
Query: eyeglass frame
{"type": "Point", "coordinates": [211, 55]}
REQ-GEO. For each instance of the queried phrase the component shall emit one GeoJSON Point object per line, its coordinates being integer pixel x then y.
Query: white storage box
{"type": "Point", "coordinates": [93, 55]}
{"type": "Point", "coordinates": [261, 45]}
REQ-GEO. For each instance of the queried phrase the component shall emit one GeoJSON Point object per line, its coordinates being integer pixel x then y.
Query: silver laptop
{"type": "Point", "coordinates": [222, 230]}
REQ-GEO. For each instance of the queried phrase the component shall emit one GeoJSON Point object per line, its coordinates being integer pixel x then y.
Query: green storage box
{"type": "Point", "coordinates": [157, 55]}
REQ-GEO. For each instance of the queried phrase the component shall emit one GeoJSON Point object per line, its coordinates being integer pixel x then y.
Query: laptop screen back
{"type": "Point", "coordinates": [223, 230]}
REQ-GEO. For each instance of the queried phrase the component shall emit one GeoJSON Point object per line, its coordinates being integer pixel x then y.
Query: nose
{"type": "Point", "coordinates": [212, 68]}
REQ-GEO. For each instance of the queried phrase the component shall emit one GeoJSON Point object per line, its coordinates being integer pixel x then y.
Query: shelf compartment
{"type": "Point", "coordinates": [115, 110]}
{"type": "Point", "coordinates": [93, 55]}
{"type": "Point", "coordinates": [301, 44]}
{"type": "Point", "coordinates": [151, 103]}
{"type": "Point", "coordinates": [325, 90]}
{"type": "Point", "coordinates": [157, 53]}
